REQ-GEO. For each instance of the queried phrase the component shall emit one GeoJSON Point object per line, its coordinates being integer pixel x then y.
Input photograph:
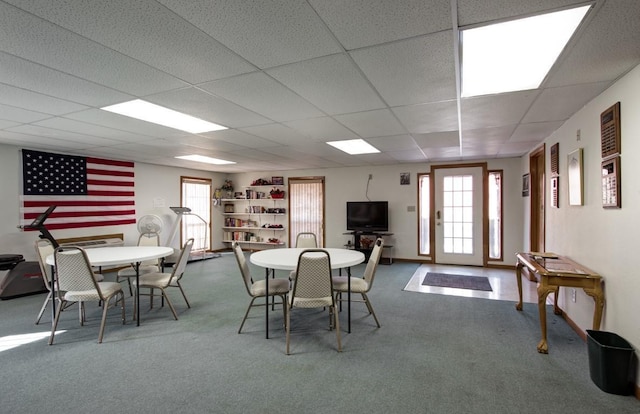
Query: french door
{"type": "Point", "coordinates": [459, 214]}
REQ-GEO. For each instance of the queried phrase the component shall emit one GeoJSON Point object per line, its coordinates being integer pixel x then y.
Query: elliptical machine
{"type": "Point", "coordinates": [25, 278]}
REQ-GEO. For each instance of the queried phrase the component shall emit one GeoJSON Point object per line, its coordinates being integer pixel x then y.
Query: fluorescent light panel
{"type": "Point", "coordinates": [354, 146]}
{"type": "Point", "coordinates": [207, 160]}
{"type": "Point", "coordinates": [515, 55]}
{"type": "Point", "coordinates": [160, 115]}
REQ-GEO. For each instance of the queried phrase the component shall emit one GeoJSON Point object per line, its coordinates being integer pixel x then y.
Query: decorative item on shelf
{"type": "Point", "coordinates": [276, 193]}
{"type": "Point", "coordinates": [274, 240]}
{"type": "Point", "coordinates": [365, 242]}
{"type": "Point", "coordinates": [277, 180]}
{"type": "Point", "coordinates": [228, 187]}
{"type": "Point", "coordinates": [261, 181]}
{"type": "Point", "coordinates": [217, 195]}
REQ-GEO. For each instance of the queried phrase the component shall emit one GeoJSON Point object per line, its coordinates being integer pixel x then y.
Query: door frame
{"type": "Point", "coordinates": [537, 196]}
{"type": "Point", "coordinates": [485, 207]}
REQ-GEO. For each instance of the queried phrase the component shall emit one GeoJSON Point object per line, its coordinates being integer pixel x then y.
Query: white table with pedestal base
{"type": "Point", "coordinates": [287, 259]}
{"type": "Point", "coordinates": [118, 255]}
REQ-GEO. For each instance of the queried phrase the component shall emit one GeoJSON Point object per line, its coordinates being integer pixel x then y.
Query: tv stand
{"type": "Point", "coordinates": [366, 247]}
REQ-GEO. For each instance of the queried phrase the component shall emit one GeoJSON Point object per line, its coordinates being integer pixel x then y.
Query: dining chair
{"type": "Point", "coordinates": [149, 266]}
{"type": "Point", "coordinates": [44, 248]}
{"type": "Point", "coordinates": [361, 285]}
{"type": "Point", "coordinates": [163, 280]}
{"type": "Point", "coordinates": [313, 288]}
{"type": "Point", "coordinates": [306, 240]}
{"type": "Point", "coordinates": [258, 288]}
{"type": "Point", "coordinates": [75, 282]}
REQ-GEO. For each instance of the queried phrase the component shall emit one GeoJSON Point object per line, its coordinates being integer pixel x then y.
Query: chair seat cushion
{"type": "Point", "coordinates": [358, 285]}
{"type": "Point", "coordinates": [276, 286]}
{"type": "Point", "coordinates": [108, 289]}
{"type": "Point", "coordinates": [159, 280]}
{"type": "Point", "coordinates": [311, 302]}
{"type": "Point", "coordinates": [131, 272]}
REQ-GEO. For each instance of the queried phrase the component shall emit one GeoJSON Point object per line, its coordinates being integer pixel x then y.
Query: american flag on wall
{"type": "Point", "coordinates": [89, 192]}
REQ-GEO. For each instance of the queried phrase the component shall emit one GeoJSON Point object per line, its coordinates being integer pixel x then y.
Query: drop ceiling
{"type": "Point", "coordinates": [285, 77]}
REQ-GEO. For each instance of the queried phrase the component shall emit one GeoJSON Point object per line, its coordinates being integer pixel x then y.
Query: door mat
{"type": "Point", "coordinates": [457, 281]}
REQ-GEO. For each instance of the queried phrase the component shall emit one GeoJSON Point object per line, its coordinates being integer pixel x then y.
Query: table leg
{"type": "Point", "coordinates": [543, 292]}
{"type": "Point", "coordinates": [519, 280]}
{"type": "Point", "coordinates": [137, 267]}
{"type": "Point", "coordinates": [598, 297]}
{"type": "Point", "coordinates": [266, 304]}
{"type": "Point", "coordinates": [348, 299]}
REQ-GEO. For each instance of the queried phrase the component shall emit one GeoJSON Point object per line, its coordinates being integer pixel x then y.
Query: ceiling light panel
{"type": "Point", "coordinates": [354, 146]}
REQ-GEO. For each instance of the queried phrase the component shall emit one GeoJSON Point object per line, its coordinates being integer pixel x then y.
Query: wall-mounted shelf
{"type": "Point", "coordinates": [249, 218]}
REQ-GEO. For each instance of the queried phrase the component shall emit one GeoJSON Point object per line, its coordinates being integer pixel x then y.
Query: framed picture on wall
{"type": "Point", "coordinates": [525, 185]}
{"type": "Point", "coordinates": [574, 172]}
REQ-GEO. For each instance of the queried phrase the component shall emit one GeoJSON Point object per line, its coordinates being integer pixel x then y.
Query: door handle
{"type": "Point", "coordinates": [438, 214]}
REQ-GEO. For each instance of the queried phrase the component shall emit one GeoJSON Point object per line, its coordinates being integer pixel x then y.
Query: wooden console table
{"type": "Point", "coordinates": [552, 272]}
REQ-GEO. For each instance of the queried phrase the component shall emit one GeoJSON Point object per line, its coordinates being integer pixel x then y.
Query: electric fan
{"type": "Point", "coordinates": [150, 224]}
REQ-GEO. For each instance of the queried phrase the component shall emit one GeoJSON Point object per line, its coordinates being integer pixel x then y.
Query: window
{"type": "Point", "coordinates": [196, 194]}
{"type": "Point", "coordinates": [457, 214]}
{"type": "Point", "coordinates": [306, 208]}
{"type": "Point", "coordinates": [495, 215]}
{"type": "Point", "coordinates": [424, 208]}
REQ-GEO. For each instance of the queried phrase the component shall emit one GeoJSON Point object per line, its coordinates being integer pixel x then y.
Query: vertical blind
{"type": "Point", "coordinates": [306, 208]}
{"type": "Point", "coordinates": [196, 194]}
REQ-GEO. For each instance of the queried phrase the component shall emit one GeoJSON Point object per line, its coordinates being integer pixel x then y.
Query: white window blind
{"type": "Point", "coordinates": [306, 208]}
{"type": "Point", "coordinates": [196, 194]}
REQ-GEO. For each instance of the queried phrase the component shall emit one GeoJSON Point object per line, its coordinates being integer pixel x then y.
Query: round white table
{"type": "Point", "coordinates": [287, 259]}
{"type": "Point", "coordinates": [106, 256]}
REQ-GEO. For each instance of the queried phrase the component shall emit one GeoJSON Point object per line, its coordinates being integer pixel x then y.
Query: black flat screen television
{"type": "Point", "coordinates": [368, 216]}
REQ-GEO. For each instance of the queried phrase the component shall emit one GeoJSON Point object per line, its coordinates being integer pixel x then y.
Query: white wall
{"type": "Point", "coordinates": [604, 240]}
{"type": "Point", "coordinates": [153, 184]}
{"type": "Point", "coordinates": [350, 184]}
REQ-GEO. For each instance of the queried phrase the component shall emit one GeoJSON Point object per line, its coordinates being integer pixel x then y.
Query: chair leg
{"type": "Point", "coordinates": [44, 306]}
{"type": "Point", "coordinates": [337, 325]}
{"type": "Point", "coordinates": [368, 303]}
{"type": "Point", "coordinates": [103, 321]}
{"type": "Point", "coordinates": [55, 322]}
{"type": "Point", "coordinates": [287, 325]}
{"type": "Point", "coordinates": [246, 314]}
{"type": "Point", "coordinates": [183, 294]}
{"type": "Point", "coordinates": [164, 295]}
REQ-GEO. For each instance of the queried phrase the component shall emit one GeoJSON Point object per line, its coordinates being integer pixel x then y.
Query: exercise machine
{"type": "Point", "coordinates": [24, 277]}
{"type": "Point", "coordinates": [198, 254]}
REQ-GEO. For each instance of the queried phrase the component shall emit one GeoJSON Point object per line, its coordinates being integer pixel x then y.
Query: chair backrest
{"type": "Point", "coordinates": [149, 239]}
{"type": "Point", "coordinates": [313, 287]}
{"type": "Point", "coordinates": [374, 259]}
{"type": "Point", "coordinates": [44, 249]}
{"type": "Point", "coordinates": [181, 264]}
{"type": "Point", "coordinates": [73, 271]}
{"type": "Point", "coordinates": [243, 265]}
{"type": "Point", "coordinates": [306, 240]}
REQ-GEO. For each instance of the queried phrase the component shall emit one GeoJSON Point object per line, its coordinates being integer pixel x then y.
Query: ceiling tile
{"type": "Point", "coordinates": [332, 83]}
{"type": "Point", "coordinates": [394, 143]}
{"type": "Point", "coordinates": [534, 132]}
{"type": "Point", "coordinates": [33, 101]}
{"type": "Point", "coordinates": [203, 105]}
{"type": "Point", "coordinates": [147, 31]}
{"type": "Point", "coordinates": [473, 11]}
{"type": "Point", "coordinates": [378, 123]}
{"type": "Point", "coordinates": [437, 139]}
{"type": "Point", "coordinates": [263, 95]}
{"type": "Point", "coordinates": [261, 32]}
{"type": "Point", "coordinates": [496, 110]}
{"type": "Point", "coordinates": [20, 115]}
{"type": "Point", "coordinates": [279, 133]}
{"type": "Point", "coordinates": [411, 71]}
{"type": "Point", "coordinates": [240, 138]}
{"type": "Point", "coordinates": [39, 41]}
{"type": "Point", "coordinates": [432, 117]}
{"type": "Point", "coordinates": [322, 129]}
{"type": "Point", "coordinates": [359, 23]}
{"type": "Point", "coordinates": [558, 104]}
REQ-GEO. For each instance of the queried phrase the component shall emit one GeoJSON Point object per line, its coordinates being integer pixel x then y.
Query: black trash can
{"type": "Point", "coordinates": [610, 362]}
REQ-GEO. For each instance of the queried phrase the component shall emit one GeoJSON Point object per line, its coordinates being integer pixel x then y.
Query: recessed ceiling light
{"type": "Point", "coordinates": [515, 55]}
{"type": "Point", "coordinates": [160, 115]}
{"type": "Point", "coordinates": [207, 160]}
{"type": "Point", "coordinates": [354, 146]}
